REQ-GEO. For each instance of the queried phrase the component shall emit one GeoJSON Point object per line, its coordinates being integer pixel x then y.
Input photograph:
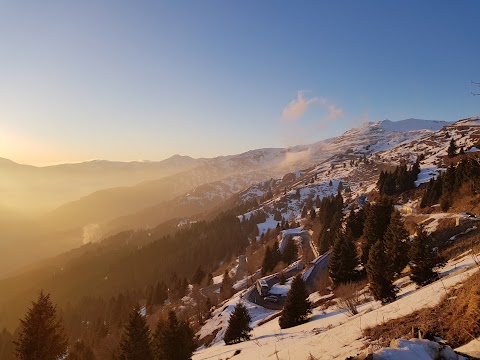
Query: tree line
{"type": "Point", "coordinates": [448, 184]}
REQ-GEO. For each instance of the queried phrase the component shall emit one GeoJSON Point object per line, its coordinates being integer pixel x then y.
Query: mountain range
{"type": "Point", "coordinates": [55, 208]}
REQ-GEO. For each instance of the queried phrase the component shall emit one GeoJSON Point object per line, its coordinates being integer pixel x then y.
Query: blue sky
{"type": "Point", "coordinates": [126, 80]}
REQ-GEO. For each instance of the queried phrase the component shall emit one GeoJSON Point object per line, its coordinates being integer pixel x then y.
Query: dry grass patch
{"type": "Point", "coordinates": [456, 319]}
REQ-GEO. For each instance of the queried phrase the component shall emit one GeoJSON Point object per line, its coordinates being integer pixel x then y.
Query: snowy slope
{"type": "Point", "coordinates": [331, 333]}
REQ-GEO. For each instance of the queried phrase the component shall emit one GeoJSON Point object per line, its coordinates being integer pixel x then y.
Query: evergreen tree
{"type": "Point", "coordinates": [355, 222]}
{"type": "Point", "coordinates": [173, 340]}
{"type": "Point", "coordinates": [424, 259]}
{"type": "Point", "coordinates": [209, 279]}
{"type": "Point", "coordinates": [41, 333]}
{"type": "Point", "coordinates": [452, 149]}
{"type": "Point", "coordinates": [198, 276]}
{"type": "Point", "coordinates": [159, 294]}
{"type": "Point", "coordinates": [267, 261]}
{"type": "Point", "coordinates": [290, 252]}
{"type": "Point", "coordinates": [377, 218]}
{"type": "Point", "coordinates": [238, 325]}
{"type": "Point", "coordinates": [136, 342]}
{"type": "Point", "coordinates": [396, 246]}
{"type": "Point", "coordinates": [381, 280]}
{"type": "Point", "coordinates": [297, 306]}
{"type": "Point", "coordinates": [7, 348]}
{"type": "Point", "coordinates": [343, 259]}
{"type": "Point", "coordinates": [226, 288]}
{"type": "Point", "coordinates": [81, 351]}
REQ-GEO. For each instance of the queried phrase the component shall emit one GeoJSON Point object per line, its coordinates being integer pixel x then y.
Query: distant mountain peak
{"type": "Point", "coordinates": [412, 124]}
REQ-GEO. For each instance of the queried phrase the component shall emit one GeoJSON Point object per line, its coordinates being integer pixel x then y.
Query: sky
{"type": "Point", "coordinates": [138, 80]}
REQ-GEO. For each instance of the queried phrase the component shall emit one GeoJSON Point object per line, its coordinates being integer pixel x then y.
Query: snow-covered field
{"type": "Point", "coordinates": [330, 333]}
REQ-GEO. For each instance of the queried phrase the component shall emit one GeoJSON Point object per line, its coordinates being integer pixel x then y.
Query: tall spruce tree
{"type": "Point", "coordinates": [267, 264]}
{"type": "Point", "coordinates": [159, 294]}
{"type": "Point", "coordinates": [377, 218]}
{"type": "Point", "coordinates": [380, 279]}
{"type": "Point", "coordinates": [173, 339]}
{"type": "Point", "coordinates": [136, 342]}
{"type": "Point", "coordinates": [41, 335]}
{"type": "Point", "coordinates": [355, 222]}
{"type": "Point", "coordinates": [290, 252]}
{"type": "Point", "coordinates": [396, 245]}
{"type": "Point", "coordinates": [424, 259]}
{"type": "Point", "coordinates": [199, 275]}
{"type": "Point", "coordinates": [226, 289]}
{"type": "Point", "coordinates": [238, 325]}
{"type": "Point", "coordinates": [297, 306]}
{"type": "Point", "coordinates": [81, 351]}
{"type": "Point", "coordinates": [343, 259]}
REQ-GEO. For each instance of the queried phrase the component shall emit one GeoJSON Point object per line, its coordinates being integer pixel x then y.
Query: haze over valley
{"type": "Point", "coordinates": [239, 180]}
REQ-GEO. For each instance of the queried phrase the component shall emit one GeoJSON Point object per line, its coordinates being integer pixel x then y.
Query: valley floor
{"type": "Point", "coordinates": [332, 333]}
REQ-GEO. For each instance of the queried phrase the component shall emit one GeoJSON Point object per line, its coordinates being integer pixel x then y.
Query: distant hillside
{"type": "Point", "coordinates": [34, 189]}
{"type": "Point", "coordinates": [179, 186]}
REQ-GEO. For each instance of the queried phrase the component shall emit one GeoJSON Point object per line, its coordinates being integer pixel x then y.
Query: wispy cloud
{"type": "Point", "coordinates": [334, 112]}
{"type": "Point", "coordinates": [297, 107]}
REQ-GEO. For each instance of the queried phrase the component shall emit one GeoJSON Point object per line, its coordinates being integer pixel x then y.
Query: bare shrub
{"type": "Point", "coordinates": [323, 283]}
{"type": "Point", "coordinates": [349, 297]}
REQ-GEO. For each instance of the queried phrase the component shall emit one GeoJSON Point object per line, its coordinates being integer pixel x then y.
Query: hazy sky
{"type": "Point", "coordinates": [125, 80]}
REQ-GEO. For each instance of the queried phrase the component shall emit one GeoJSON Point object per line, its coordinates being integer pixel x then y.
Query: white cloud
{"type": "Point", "coordinates": [297, 107]}
{"type": "Point", "coordinates": [334, 112]}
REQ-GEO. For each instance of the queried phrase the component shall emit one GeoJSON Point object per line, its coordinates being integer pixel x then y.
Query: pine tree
{"type": "Point", "coordinates": [297, 306]}
{"type": "Point", "coordinates": [226, 288]}
{"type": "Point", "coordinates": [377, 218]}
{"type": "Point", "coordinates": [423, 259]}
{"type": "Point", "coordinates": [452, 149]}
{"type": "Point", "coordinates": [173, 340]}
{"type": "Point", "coordinates": [81, 351]}
{"type": "Point", "coordinates": [267, 261]}
{"type": "Point", "coordinates": [238, 325]}
{"type": "Point", "coordinates": [290, 252]}
{"type": "Point", "coordinates": [198, 276]}
{"type": "Point", "coordinates": [209, 279]}
{"type": "Point", "coordinates": [41, 333]}
{"type": "Point", "coordinates": [343, 259]}
{"type": "Point", "coordinates": [396, 246]}
{"type": "Point", "coordinates": [355, 222]}
{"type": "Point", "coordinates": [159, 294]}
{"type": "Point", "coordinates": [381, 280]}
{"type": "Point", "coordinates": [136, 342]}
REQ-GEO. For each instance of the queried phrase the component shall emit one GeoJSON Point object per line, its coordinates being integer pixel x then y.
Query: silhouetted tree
{"type": "Point", "coordinates": [377, 218]}
{"type": "Point", "coordinates": [396, 246]}
{"type": "Point", "coordinates": [226, 288]}
{"type": "Point", "coordinates": [452, 149]}
{"type": "Point", "coordinates": [198, 276]}
{"type": "Point", "coordinates": [343, 259]}
{"type": "Point", "coordinates": [424, 259]}
{"type": "Point", "coordinates": [297, 306]}
{"type": "Point", "coordinates": [173, 340]}
{"type": "Point", "coordinates": [81, 351]}
{"type": "Point", "coordinates": [381, 280]}
{"type": "Point", "coordinates": [290, 252]}
{"type": "Point", "coordinates": [41, 335]}
{"type": "Point", "coordinates": [136, 342]}
{"type": "Point", "coordinates": [238, 325]}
